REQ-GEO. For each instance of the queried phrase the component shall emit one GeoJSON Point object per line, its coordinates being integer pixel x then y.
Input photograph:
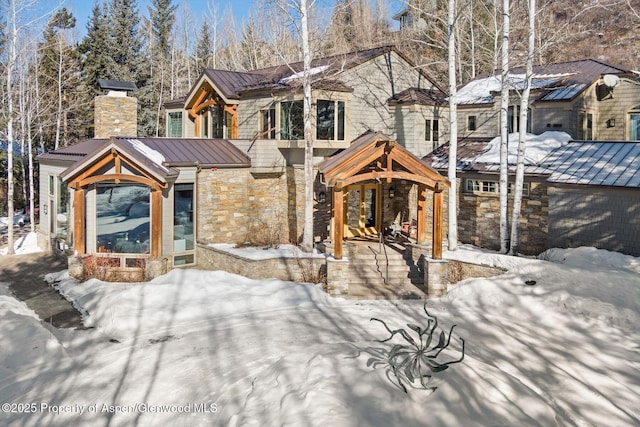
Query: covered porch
{"type": "Point", "coordinates": [370, 184]}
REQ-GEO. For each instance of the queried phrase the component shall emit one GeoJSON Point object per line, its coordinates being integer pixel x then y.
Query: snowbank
{"type": "Point", "coordinates": [26, 244]}
{"type": "Point", "coordinates": [547, 343]}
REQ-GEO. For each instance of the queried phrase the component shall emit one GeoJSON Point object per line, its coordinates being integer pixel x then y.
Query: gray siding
{"type": "Point", "coordinates": [374, 82]}
{"type": "Point", "coordinates": [606, 218]}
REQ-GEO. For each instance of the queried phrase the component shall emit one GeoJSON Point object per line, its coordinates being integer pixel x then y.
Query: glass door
{"type": "Point", "coordinates": [362, 210]}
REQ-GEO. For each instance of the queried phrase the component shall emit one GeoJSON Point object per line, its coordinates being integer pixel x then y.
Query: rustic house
{"type": "Point", "coordinates": [231, 167]}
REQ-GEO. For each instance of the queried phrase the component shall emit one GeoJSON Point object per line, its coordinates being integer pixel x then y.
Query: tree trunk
{"type": "Point", "coordinates": [524, 105]}
{"type": "Point", "coordinates": [504, 132]}
{"type": "Point", "coordinates": [12, 39]}
{"type": "Point", "coordinates": [307, 237]}
{"type": "Point", "coordinates": [452, 205]}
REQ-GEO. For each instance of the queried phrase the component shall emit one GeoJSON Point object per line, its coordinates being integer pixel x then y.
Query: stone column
{"type": "Point", "coordinates": [435, 277]}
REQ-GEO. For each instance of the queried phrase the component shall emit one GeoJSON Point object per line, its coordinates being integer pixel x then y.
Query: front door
{"type": "Point", "coordinates": [362, 210]}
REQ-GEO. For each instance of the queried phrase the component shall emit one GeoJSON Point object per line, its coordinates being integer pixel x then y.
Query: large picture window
{"type": "Point", "coordinates": [330, 120]}
{"type": "Point", "coordinates": [291, 120]}
{"type": "Point", "coordinates": [122, 218]}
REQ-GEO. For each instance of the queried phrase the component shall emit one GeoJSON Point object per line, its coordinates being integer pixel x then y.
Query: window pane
{"type": "Point", "coordinates": [174, 127]}
{"type": "Point", "coordinates": [268, 123]}
{"type": "Point", "coordinates": [488, 186]}
{"type": "Point", "coordinates": [427, 130]}
{"type": "Point", "coordinates": [122, 218]}
{"type": "Point", "coordinates": [471, 123]}
{"type": "Point", "coordinates": [291, 120]}
{"type": "Point", "coordinates": [634, 126]}
{"type": "Point", "coordinates": [341, 120]}
{"type": "Point", "coordinates": [184, 260]}
{"type": "Point", "coordinates": [325, 116]}
{"type": "Point", "coordinates": [183, 237]}
{"type": "Point", "coordinates": [217, 121]}
{"type": "Point", "coordinates": [435, 130]}
{"type": "Point", "coordinates": [63, 208]}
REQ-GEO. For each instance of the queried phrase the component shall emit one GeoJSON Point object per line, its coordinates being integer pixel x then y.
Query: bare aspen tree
{"type": "Point", "coordinates": [504, 131]}
{"type": "Point", "coordinates": [11, 11]}
{"type": "Point", "coordinates": [453, 130]}
{"type": "Point", "coordinates": [522, 136]}
{"type": "Point", "coordinates": [307, 236]}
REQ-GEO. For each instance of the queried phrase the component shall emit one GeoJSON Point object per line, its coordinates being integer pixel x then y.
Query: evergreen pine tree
{"type": "Point", "coordinates": [125, 44]}
{"type": "Point", "coordinates": [203, 48]}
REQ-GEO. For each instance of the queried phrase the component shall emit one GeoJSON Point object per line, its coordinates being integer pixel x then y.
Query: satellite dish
{"type": "Point", "coordinates": [611, 80]}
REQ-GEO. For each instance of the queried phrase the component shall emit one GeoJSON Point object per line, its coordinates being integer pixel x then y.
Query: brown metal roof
{"type": "Point", "coordinates": [418, 96]}
{"type": "Point", "coordinates": [198, 151]}
{"type": "Point", "coordinates": [230, 82]}
{"type": "Point", "coordinates": [176, 151]}
{"type": "Point", "coordinates": [271, 77]}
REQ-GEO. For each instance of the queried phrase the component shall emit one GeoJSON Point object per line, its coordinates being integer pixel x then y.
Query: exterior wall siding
{"type": "Point", "coordinates": [374, 82]}
{"type": "Point", "coordinates": [606, 218]}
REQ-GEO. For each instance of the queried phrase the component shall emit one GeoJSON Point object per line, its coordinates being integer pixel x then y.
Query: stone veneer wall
{"type": "Point", "coordinates": [115, 116]}
{"type": "Point", "coordinates": [479, 219]}
{"type": "Point", "coordinates": [235, 204]}
{"type": "Point", "coordinates": [290, 269]}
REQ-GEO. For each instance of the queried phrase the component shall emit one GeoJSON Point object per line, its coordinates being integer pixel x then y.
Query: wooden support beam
{"type": "Point", "coordinates": [156, 223]}
{"type": "Point", "coordinates": [422, 215]}
{"type": "Point", "coordinates": [78, 221]}
{"type": "Point", "coordinates": [338, 219]}
{"type": "Point", "coordinates": [436, 251]}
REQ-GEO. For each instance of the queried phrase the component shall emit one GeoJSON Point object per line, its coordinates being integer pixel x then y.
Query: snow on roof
{"type": "Point", "coordinates": [300, 74]}
{"type": "Point", "coordinates": [148, 152]}
{"type": "Point", "coordinates": [481, 91]}
{"type": "Point", "coordinates": [537, 147]}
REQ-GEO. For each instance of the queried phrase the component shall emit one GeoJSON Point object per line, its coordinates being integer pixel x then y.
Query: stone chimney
{"type": "Point", "coordinates": [115, 114]}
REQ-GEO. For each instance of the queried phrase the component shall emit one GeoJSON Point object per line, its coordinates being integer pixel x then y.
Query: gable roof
{"type": "Point", "coordinates": [134, 150]}
{"type": "Point", "coordinates": [373, 156]}
{"type": "Point", "coordinates": [559, 82]}
{"type": "Point", "coordinates": [175, 152]}
{"type": "Point", "coordinates": [614, 164]}
{"type": "Point", "coordinates": [324, 72]}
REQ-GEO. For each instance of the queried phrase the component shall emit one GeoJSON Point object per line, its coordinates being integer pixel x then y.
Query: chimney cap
{"type": "Point", "coordinates": [116, 85]}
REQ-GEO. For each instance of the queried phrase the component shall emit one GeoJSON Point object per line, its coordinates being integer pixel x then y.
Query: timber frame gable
{"type": "Point", "coordinates": [117, 163]}
{"type": "Point", "coordinates": [373, 157]}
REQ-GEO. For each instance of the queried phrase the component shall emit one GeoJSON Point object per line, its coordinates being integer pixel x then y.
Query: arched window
{"type": "Point", "coordinates": [634, 123]}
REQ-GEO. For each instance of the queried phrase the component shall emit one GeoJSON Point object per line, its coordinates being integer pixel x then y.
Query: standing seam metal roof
{"type": "Point", "coordinates": [176, 151]}
{"type": "Point", "coordinates": [614, 164]}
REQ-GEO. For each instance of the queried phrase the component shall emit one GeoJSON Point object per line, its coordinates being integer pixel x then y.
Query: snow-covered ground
{"type": "Point", "coordinates": [26, 244]}
{"type": "Point", "coordinates": [220, 349]}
